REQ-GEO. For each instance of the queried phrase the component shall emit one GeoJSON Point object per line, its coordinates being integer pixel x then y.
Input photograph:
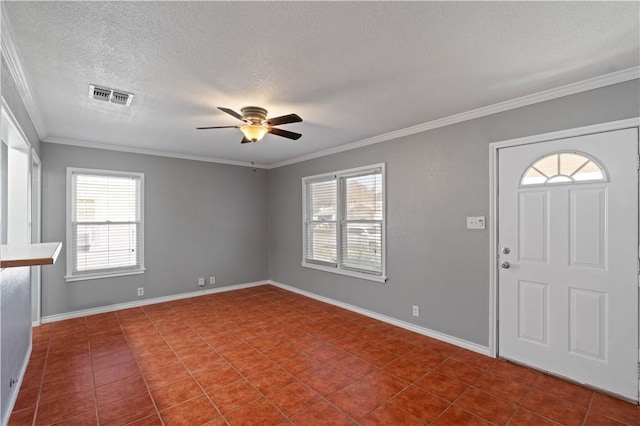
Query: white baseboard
{"type": "Point", "coordinates": [16, 388]}
{"type": "Point", "coordinates": [138, 303]}
{"type": "Point", "coordinates": [403, 324]}
{"type": "Point", "coordinates": [484, 350]}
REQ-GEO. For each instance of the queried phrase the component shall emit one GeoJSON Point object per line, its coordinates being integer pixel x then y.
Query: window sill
{"type": "Point", "coordinates": [71, 278]}
{"type": "Point", "coordinates": [354, 274]}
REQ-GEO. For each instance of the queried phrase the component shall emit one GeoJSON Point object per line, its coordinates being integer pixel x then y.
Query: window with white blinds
{"type": "Point", "coordinates": [104, 223]}
{"type": "Point", "coordinates": [321, 222]}
{"type": "Point", "coordinates": [344, 222]}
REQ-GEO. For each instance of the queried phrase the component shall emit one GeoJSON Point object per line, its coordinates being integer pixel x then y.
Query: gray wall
{"type": "Point", "coordinates": [15, 329]}
{"type": "Point", "coordinates": [201, 219]}
{"type": "Point", "coordinates": [205, 219]}
{"type": "Point", "coordinates": [434, 180]}
{"type": "Point", "coordinates": [15, 285]}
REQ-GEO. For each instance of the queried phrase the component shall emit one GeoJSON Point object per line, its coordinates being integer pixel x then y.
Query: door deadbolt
{"type": "Point", "coordinates": [505, 250]}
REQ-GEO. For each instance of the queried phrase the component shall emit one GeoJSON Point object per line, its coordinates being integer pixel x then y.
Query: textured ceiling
{"type": "Point", "coordinates": [352, 70]}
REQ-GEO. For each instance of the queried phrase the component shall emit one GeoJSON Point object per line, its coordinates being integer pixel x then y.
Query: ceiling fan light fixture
{"type": "Point", "coordinates": [256, 124]}
{"type": "Point", "coordinates": [254, 132]}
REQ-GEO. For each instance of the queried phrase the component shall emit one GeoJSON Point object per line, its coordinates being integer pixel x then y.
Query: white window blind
{"type": "Point", "coordinates": [344, 222]}
{"type": "Point", "coordinates": [321, 222]}
{"type": "Point", "coordinates": [105, 235]}
{"type": "Point", "coordinates": [361, 224]}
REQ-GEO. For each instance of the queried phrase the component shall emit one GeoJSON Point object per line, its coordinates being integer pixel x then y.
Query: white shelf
{"type": "Point", "coordinates": [12, 256]}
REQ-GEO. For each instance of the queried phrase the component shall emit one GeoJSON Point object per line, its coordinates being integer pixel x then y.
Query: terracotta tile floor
{"type": "Point", "coordinates": [265, 356]}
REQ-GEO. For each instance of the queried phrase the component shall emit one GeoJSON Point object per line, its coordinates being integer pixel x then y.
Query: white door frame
{"type": "Point", "coordinates": [493, 204]}
{"type": "Point", "coordinates": [12, 134]}
{"type": "Point", "coordinates": [36, 234]}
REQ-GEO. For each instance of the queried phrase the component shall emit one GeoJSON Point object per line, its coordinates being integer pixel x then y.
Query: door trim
{"type": "Point", "coordinates": [494, 147]}
{"type": "Point", "coordinates": [36, 228]}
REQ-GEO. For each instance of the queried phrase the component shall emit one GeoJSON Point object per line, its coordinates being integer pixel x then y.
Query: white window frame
{"type": "Point", "coordinates": [337, 269]}
{"type": "Point", "coordinates": [115, 273]}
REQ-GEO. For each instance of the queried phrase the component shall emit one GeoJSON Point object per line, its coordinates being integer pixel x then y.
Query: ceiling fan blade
{"type": "Point", "coordinates": [284, 133]}
{"type": "Point", "coordinates": [232, 112]}
{"type": "Point", "coordinates": [218, 127]}
{"type": "Point", "coordinates": [245, 140]}
{"type": "Point", "coordinates": [284, 119]}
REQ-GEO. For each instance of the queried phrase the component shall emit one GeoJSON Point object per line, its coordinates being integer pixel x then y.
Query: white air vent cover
{"type": "Point", "coordinates": [120, 98]}
{"type": "Point", "coordinates": [99, 93]}
{"type": "Point", "coordinates": [110, 95]}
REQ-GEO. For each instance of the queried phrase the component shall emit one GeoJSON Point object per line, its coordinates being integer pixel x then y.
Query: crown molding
{"type": "Point", "coordinates": [7, 46]}
{"type": "Point", "coordinates": [9, 52]}
{"type": "Point", "coordinates": [546, 95]}
{"type": "Point", "coordinates": [558, 92]}
{"type": "Point", "coordinates": [109, 147]}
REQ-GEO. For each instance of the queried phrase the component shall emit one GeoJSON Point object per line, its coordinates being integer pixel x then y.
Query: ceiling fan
{"type": "Point", "coordinates": [257, 124]}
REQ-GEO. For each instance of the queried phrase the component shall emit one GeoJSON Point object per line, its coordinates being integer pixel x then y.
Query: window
{"type": "Point", "coordinates": [562, 167]}
{"type": "Point", "coordinates": [344, 226]}
{"type": "Point", "coordinates": [104, 223]}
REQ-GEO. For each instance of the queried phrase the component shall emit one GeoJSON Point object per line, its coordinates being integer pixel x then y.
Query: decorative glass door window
{"type": "Point", "coordinates": [563, 168]}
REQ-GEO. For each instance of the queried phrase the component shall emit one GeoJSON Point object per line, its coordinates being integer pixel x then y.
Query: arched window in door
{"type": "Point", "coordinates": [563, 168]}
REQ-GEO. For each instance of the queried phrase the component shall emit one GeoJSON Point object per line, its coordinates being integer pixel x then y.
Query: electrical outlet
{"type": "Point", "coordinates": [416, 311]}
{"type": "Point", "coordinates": [201, 282]}
{"type": "Point", "coordinates": [212, 280]}
{"type": "Point", "coordinates": [140, 291]}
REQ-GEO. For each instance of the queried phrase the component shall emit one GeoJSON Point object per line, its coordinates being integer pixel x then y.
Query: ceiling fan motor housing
{"type": "Point", "coordinates": [254, 114]}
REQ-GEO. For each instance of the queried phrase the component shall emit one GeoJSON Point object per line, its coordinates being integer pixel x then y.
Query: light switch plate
{"type": "Point", "coordinates": [476, 222]}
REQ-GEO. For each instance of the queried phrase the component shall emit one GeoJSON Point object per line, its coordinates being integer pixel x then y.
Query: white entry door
{"type": "Point", "coordinates": [568, 273]}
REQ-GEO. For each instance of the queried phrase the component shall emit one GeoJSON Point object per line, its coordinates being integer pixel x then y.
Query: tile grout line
{"type": "Point", "coordinates": [316, 329]}
{"type": "Point", "coordinates": [388, 400]}
{"type": "Point", "coordinates": [524, 399]}
{"type": "Point", "coordinates": [191, 374]}
{"type": "Point", "coordinates": [244, 340]}
{"type": "Point", "coordinates": [93, 378]}
{"type": "Point", "coordinates": [140, 369]}
{"type": "Point", "coordinates": [153, 400]}
{"type": "Point", "coordinates": [286, 417]}
{"type": "Point", "coordinates": [325, 398]}
{"type": "Point", "coordinates": [322, 398]}
{"type": "Point", "coordinates": [40, 387]}
{"type": "Point", "coordinates": [452, 403]}
{"type": "Point", "coordinates": [586, 416]}
{"type": "Point", "coordinates": [357, 381]}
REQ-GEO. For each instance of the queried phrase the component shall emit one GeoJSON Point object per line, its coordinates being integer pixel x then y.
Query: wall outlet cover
{"type": "Point", "coordinates": [201, 282]}
{"type": "Point", "coordinates": [476, 222]}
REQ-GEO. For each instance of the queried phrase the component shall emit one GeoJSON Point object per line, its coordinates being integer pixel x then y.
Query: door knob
{"type": "Point", "coordinates": [505, 265]}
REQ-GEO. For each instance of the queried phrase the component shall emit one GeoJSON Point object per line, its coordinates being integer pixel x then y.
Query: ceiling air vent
{"type": "Point", "coordinates": [120, 98]}
{"type": "Point", "coordinates": [110, 95]}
